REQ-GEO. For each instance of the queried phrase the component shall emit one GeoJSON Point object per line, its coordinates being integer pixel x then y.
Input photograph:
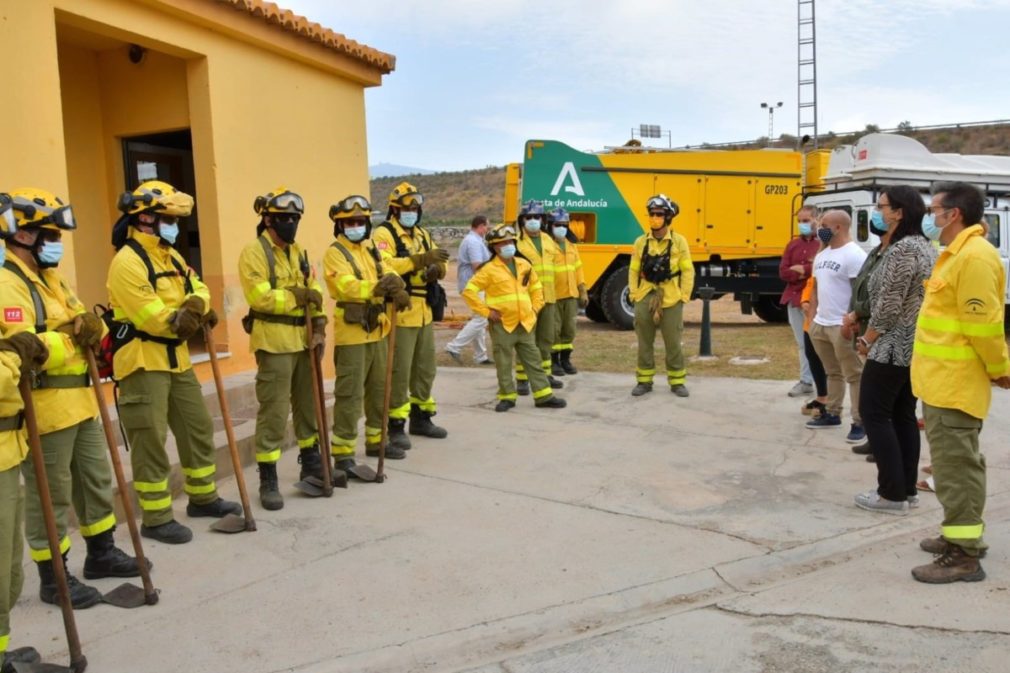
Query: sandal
{"type": "Point", "coordinates": [926, 484]}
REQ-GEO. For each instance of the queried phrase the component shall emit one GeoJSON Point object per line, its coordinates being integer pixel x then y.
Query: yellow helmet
{"type": "Point", "coordinates": [500, 234]}
{"type": "Point", "coordinates": [39, 208]}
{"type": "Point", "coordinates": [155, 196]}
{"type": "Point", "coordinates": [8, 223]}
{"type": "Point", "coordinates": [280, 200]}
{"type": "Point", "coordinates": [405, 195]}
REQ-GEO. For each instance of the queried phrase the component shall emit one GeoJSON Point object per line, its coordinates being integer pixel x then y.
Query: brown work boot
{"type": "Point", "coordinates": [954, 565]}
{"type": "Point", "coordinates": [937, 545]}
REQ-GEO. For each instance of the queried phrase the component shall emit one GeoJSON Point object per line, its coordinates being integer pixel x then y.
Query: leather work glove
{"type": "Point", "coordinates": [29, 348]}
{"type": "Point", "coordinates": [388, 285]}
{"type": "Point", "coordinates": [318, 332]}
{"type": "Point", "coordinates": [210, 318]}
{"type": "Point", "coordinates": [433, 256]}
{"type": "Point", "coordinates": [434, 272]}
{"type": "Point", "coordinates": [185, 323]}
{"type": "Point", "coordinates": [305, 296]}
{"type": "Point", "coordinates": [583, 296]}
{"type": "Point", "coordinates": [401, 300]}
{"type": "Point", "coordinates": [194, 304]}
{"type": "Point", "coordinates": [656, 307]}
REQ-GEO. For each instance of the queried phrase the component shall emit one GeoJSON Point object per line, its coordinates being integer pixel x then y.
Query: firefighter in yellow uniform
{"type": "Point", "coordinates": [37, 298]}
{"type": "Point", "coordinates": [539, 250]}
{"type": "Point", "coordinates": [163, 303]}
{"type": "Point", "coordinates": [570, 291]}
{"type": "Point", "coordinates": [513, 295]}
{"type": "Point", "coordinates": [357, 279]}
{"type": "Point", "coordinates": [660, 282]}
{"type": "Point", "coordinates": [279, 293]}
{"type": "Point", "coordinates": [408, 250]}
{"type": "Point", "coordinates": [18, 355]}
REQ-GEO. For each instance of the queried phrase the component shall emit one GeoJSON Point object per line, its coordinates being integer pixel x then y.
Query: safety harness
{"type": "Point", "coordinates": [358, 313]}
{"type": "Point", "coordinates": [433, 293]}
{"type": "Point", "coordinates": [293, 320]}
{"type": "Point", "coordinates": [656, 268]}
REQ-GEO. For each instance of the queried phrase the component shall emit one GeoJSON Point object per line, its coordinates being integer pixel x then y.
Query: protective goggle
{"type": "Point", "coordinates": [352, 204]}
{"type": "Point", "coordinates": [285, 201]}
{"type": "Point", "coordinates": [61, 217]}
{"type": "Point", "coordinates": [412, 199]}
{"type": "Point", "coordinates": [505, 233]}
{"type": "Point", "coordinates": [9, 223]}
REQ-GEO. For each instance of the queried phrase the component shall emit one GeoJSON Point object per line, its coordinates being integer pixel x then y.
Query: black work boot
{"type": "Point", "coordinates": [551, 402]}
{"type": "Point", "coordinates": [641, 388]}
{"type": "Point", "coordinates": [420, 424]}
{"type": "Point", "coordinates": [522, 388]}
{"type": "Point", "coordinates": [504, 405]}
{"type": "Point", "coordinates": [397, 437]}
{"type": "Point", "coordinates": [311, 462]}
{"type": "Point", "coordinates": [217, 509]}
{"type": "Point", "coordinates": [19, 655]}
{"type": "Point", "coordinates": [270, 493]}
{"type": "Point", "coordinates": [81, 595]}
{"type": "Point", "coordinates": [566, 361]}
{"type": "Point", "coordinates": [555, 384]}
{"type": "Point", "coordinates": [556, 364]}
{"type": "Point", "coordinates": [105, 559]}
{"type": "Point", "coordinates": [172, 532]}
{"type": "Point", "coordinates": [392, 452]}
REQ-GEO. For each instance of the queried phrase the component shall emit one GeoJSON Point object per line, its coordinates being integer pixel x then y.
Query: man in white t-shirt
{"type": "Point", "coordinates": [834, 269]}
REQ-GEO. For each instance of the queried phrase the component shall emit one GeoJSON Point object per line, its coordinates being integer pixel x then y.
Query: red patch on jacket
{"type": "Point", "coordinates": [382, 245]}
{"type": "Point", "coordinates": [14, 314]}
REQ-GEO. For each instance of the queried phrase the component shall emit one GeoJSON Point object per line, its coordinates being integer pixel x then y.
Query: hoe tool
{"type": "Point", "coordinates": [126, 595]}
{"type": "Point", "coordinates": [230, 523]}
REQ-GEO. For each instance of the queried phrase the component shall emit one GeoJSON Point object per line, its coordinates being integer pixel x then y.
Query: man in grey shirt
{"type": "Point", "coordinates": [472, 253]}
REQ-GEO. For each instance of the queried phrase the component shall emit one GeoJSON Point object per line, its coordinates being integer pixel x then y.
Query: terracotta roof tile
{"type": "Point", "coordinates": [287, 20]}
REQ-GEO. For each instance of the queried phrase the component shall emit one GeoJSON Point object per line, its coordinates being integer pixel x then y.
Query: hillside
{"type": "Point", "coordinates": [454, 198]}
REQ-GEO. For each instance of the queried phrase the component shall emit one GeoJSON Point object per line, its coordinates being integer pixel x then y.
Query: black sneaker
{"type": "Point", "coordinates": [504, 405]}
{"type": "Point", "coordinates": [172, 532]}
{"type": "Point", "coordinates": [216, 509]}
{"type": "Point", "coordinates": [825, 420]}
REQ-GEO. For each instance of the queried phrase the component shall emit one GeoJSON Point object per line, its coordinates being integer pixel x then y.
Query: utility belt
{"type": "Point", "coordinates": [170, 344]}
{"type": "Point", "coordinates": [15, 422]}
{"type": "Point", "coordinates": [45, 380]}
{"type": "Point", "coordinates": [292, 320]}
{"type": "Point", "coordinates": [366, 316]}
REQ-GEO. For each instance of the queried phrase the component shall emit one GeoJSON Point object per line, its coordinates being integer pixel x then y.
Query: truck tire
{"type": "Point", "coordinates": [595, 312]}
{"type": "Point", "coordinates": [614, 299]}
{"type": "Point", "coordinates": [768, 308]}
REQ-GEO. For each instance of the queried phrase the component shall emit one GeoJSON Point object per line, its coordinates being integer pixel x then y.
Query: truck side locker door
{"type": "Point", "coordinates": [688, 192]}
{"type": "Point", "coordinates": [727, 226]}
{"type": "Point", "coordinates": [774, 223]}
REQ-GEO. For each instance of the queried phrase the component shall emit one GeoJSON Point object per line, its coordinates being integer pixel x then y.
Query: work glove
{"type": "Point", "coordinates": [210, 318]}
{"type": "Point", "coordinates": [583, 296]}
{"type": "Point", "coordinates": [185, 322]}
{"type": "Point", "coordinates": [85, 329]}
{"type": "Point", "coordinates": [656, 307]}
{"type": "Point", "coordinates": [29, 348]}
{"type": "Point", "coordinates": [195, 304]}
{"type": "Point", "coordinates": [318, 332]}
{"type": "Point", "coordinates": [388, 285]}
{"type": "Point", "coordinates": [433, 256]}
{"type": "Point", "coordinates": [434, 272]}
{"type": "Point", "coordinates": [401, 300]}
{"type": "Point", "coordinates": [305, 296]}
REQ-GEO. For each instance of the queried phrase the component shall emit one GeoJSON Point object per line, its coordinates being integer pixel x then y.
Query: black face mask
{"type": "Point", "coordinates": [286, 227]}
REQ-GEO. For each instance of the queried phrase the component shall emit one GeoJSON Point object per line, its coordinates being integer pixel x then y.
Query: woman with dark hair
{"type": "Point", "coordinates": [886, 403]}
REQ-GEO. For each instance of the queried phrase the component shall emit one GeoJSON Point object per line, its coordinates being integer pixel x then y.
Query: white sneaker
{"type": "Point", "coordinates": [872, 502]}
{"type": "Point", "coordinates": [801, 389]}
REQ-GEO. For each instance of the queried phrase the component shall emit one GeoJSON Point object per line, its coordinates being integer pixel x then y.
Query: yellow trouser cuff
{"type": "Point", "coordinates": [507, 396]}
{"type": "Point", "coordinates": [400, 413]}
{"type": "Point", "coordinates": [972, 532]}
{"type": "Point", "coordinates": [199, 472]}
{"type": "Point", "coordinates": [100, 526]}
{"type": "Point", "coordinates": [156, 505]}
{"type": "Point", "coordinates": [542, 393]}
{"type": "Point", "coordinates": [44, 554]}
{"type": "Point", "coordinates": [199, 489]}
{"type": "Point", "coordinates": [268, 456]}
{"type": "Point", "coordinates": [306, 443]}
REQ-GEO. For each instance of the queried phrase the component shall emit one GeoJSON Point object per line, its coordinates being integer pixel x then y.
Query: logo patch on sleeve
{"type": "Point", "coordinates": [382, 245]}
{"type": "Point", "coordinates": [14, 314]}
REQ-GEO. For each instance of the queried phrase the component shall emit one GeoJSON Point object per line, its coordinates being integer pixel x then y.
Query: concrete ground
{"type": "Point", "coordinates": [654, 534]}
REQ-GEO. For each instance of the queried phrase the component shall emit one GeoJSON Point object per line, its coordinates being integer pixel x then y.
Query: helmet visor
{"type": "Point", "coordinates": [288, 201]}
{"type": "Point", "coordinates": [412, 199]}
{"type": "Point", "coordinates": [59, 218]}
{"type": "Point", "coordinates": [8, 225]}
{"type": "Point", "coordinates": [353, 204]}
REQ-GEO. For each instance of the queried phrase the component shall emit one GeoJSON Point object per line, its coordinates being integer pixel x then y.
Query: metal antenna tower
{"type": "Point", "coordinates": [806, 60]}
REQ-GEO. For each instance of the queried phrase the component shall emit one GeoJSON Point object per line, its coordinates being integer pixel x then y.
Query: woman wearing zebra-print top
{"type": "Point", "coordinates": [886, 401]}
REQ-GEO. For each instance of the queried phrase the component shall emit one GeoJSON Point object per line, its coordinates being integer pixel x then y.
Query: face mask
{"type": "Point", "coordinates": [354, 233]}
{"type": "Point", "coordinates": [532, 226]}
{"type": "Point", "coordinates": [825, 235]}
{"type": "Point", "coordinates": [560, 232]}
{"type": "Point", "coordinates": [877, 224]}
{"type": "Point", "coordinates": [507, 251]}
{"type": "Point", "coordinates": [408, 218]}
{"type": "Point", "coordinates": [805, 229]}
{"type": "Point", "coordinates": [657, 222]}
{"type": "Point", "coordinates": [929, 227]}
{"type": "Point", "coordinates": [286, 229]}
{"type": "Point", "coordinates": [12, 225]}
{"type": "Point", "coordinates": [50, 253]}
{"type": "Point", "coordinates": [168, 232]}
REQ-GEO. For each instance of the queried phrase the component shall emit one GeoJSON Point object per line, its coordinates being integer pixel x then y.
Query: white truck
{"type": "Point", "coordinates": [857, 172]}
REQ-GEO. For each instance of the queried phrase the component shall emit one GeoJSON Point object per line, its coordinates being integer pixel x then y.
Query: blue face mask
{"type": "Point", "coordinates": [507, 251]}
{"type": "Point", "coordinates": [532, 226]}
{"type": "Point", "coordinates": [50, 253]}
{"type": "Point", "coordinates": [560, 232]}
{"type": "Point", "coordinates": [929, 228]}
{"type": "Point", "coordinates": [825, 235]}
{"type": "Point", "coordinates": [877, 224]}
{"type": "Point", "coordinates": [168, 232]}
{"type": "Point", "coordinates": [408, 218]}
{"type": "Point", "coordinates": [354, 234]}
{"type": "Point", "coordinates": [805, 229]}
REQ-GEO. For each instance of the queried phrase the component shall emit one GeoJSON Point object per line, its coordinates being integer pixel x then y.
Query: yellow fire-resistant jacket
{"type": "Point", "coordinates": [517, 296]}
{"type": "Point", "coordinates": [676, 289]}
{"type": "Point", "coordinates": [58, 408]}
{"type": "Point", "coordinates": [150, 309]}
{"type": "Point", "coordinates": [567, 271]}
{"type": "Point", "coordinates": [254, 274]}
{"type": "Point", "coordinates": [414, 239]}
{"type": "Point", "coordinates": [13, 445]}
{"type": "Point", "coordinates": [543, 261]}
{"type": "Point", "coordinates": [344, 286]}
{"type": "Point", "coordinates": [959, 342]}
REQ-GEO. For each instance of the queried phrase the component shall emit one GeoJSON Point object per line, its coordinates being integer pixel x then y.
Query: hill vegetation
{"type": "Point", "coordinates": [453, 198]}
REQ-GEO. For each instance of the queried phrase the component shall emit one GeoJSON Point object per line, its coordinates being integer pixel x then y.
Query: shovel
{"type": "Point", "coordinates": [230, 523]}
{"type": "Point", "coordinates": [125, 595]}
{"type": "Point", "coordinates": [387, 394]}
{"type": "Point", "coordinates": [77, 660]}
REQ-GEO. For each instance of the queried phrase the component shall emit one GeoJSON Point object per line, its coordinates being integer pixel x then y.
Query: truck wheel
{"type": "Point", "coordinates": [768, 308]}
{"type": "Point", "coordinates": [595, 312]}
{"type": "Point", "coordinates": [614, 299]}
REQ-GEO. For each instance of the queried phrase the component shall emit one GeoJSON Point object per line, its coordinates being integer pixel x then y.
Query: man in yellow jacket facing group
{"type": "Point", "coordinates": [154, 292]}
{"type": "Point", "coordinates": [959, 353]}
{"type": "Point", "coordinates": [513, 295]}
{"type": "Point", "coordinates": [37, 298]}
{"type": "Point", "coordinates": [660, 282]}
{"type": "Point", "coordinates": [540, 250]}
{"type": "Point", "coordinates": [280, 293]}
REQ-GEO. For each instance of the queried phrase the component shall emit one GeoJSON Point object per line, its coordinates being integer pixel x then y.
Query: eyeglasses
{"type": "Point", "coordinates": [285, 218]}
{"type": "Point", "coordinates": [657, 214]}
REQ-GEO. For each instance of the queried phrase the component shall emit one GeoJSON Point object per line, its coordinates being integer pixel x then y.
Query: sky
{"type": "Point", "coordinates": [474, 80]}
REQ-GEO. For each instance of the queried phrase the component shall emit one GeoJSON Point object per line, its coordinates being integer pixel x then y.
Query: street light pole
{"type": "Point", "coordinates": [771, 118]}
